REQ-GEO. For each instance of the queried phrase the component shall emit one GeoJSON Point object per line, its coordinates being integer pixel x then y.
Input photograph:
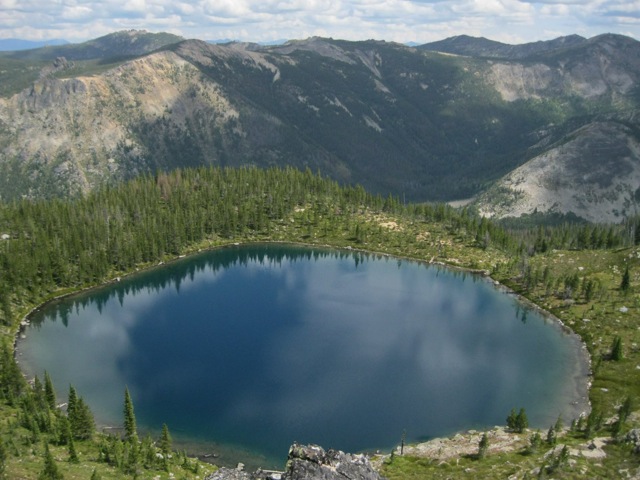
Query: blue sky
{"type": "Point", "coordinates": [510, 21]}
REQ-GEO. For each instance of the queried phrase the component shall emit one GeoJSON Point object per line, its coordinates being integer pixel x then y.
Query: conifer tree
{"type": "Point", "coordinates": [594, 422]}
{"type": "Point", "coordinates": [80, 417]}
{"type": "Point", "coordinates": [64, 430]}
{"type": "Point", "coordinates": [49, 392]}
{"type": "Point", "coordinates": [73, 454]}
{"type": "Point", "coordinates": [558, 425]}
{"type": "Point", "coordinates": [522, 422]}
{"type": "Point", "coordinates": [12, 383]}
{"type": "Point", "coordinates": [38, 392]}
{"type": "Point", "coordinates": [130, 429]}
{"type": "Point", "coordinates": [84, 422]}
{"type": "Point", "coordinates": [512, 419]}
{"type": "Point", "coordinates": [625, 284]}
{"type": "Point", "coordinates": [165, 440]}
{"type": "Point", "coordinates": [50, 469]}
{"type": "Point", "coordinates": [72, 401]}
{"type": "Point", "coordinates": [616, 349]}
{"type": "Point", "coordinates": [483, 446]}
{"type": "Point", "coordinates": [625, 410]}
{"type": "Point", "coordinates": [535, 441]}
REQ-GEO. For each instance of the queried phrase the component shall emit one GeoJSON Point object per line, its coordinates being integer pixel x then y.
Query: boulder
{"type": "Point", "coordinates": [307, 462]}
{"type": "Point", "coordinates": [313, 462]}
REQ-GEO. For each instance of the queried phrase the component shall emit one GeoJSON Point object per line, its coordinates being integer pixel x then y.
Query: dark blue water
{"type": "Point", "coordinates": [248, 349]}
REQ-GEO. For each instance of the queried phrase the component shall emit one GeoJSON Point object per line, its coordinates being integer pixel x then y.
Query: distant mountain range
{"type": "Point", "coordinates": [482, 47]}
{"type": "Point", "coordinates": [13, 44]}
{"type": "Point", "coordinates": [546, 126]}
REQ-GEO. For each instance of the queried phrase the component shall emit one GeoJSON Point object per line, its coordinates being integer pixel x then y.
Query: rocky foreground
{"type": "Point", "coordinates": [310, 462]}
{"type": "Point", "coordinates": [307, 462]}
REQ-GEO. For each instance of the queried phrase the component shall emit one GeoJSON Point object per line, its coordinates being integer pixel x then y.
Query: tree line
{"type": "Point", "coordinates": [48, 245]}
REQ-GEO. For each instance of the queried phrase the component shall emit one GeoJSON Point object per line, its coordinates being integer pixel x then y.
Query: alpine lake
{"type": "Point", "coordinates": [243, 350]}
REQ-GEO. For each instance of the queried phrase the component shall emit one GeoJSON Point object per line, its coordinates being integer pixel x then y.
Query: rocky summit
{"type": "Point", "coordinates": [310, 462]}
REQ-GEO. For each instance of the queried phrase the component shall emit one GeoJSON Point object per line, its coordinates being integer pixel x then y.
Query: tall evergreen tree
{"type": "Point", "coordinates": [80, 417]}
{"type": "Point", "coordinates": [625, 283]}
{"type": "Point", "coordinates": [165, 440]}
{"type": "Point", "coordinates": [483, 446]}
{"type": "Point", "coordinates": [73, 454]}
{"type": "Point", "coordinates": [83, 424]}
{"type": "Point", "coordinates": [50, 469]}
{"type": "Point", "coordinates": [522, 422]}
{"type": "Point", "coordinates": [72, 401]}
{"type": "Point", "coordinates": [512, 419]}
{"type": "Point", "coordinates": [49, 392]}
{"type": "Point", "coordinates": [130, 429]}
{"type": "Point", "coordinates": [616, 349]}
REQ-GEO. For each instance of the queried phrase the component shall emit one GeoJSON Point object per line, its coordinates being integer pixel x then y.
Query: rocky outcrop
{"type": "Point", "coordinates": [307, 462]}
{"type": "Point", "coordinates": [312, 462]}
{"type": "Point", "coordinates": [594, 174]}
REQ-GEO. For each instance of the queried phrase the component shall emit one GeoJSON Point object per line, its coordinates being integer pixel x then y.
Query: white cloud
{"type": "Point", "coordinates": [513, 21]}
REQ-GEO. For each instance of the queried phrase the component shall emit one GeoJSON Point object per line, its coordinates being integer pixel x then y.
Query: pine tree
{"type": "Point", "coordinates": [512, 419]}
{"type": "Point", "coordinates": [49, 392]}
{"type": "Point", "coordinates": [616, 349]}
{"type": "Point", "coordinates": [483, 446]}
{"type": "Point", "coordinates": [165, 440]}
{"type": "Point", "coordinates": [80, 416]}
{"type": "Point", "coordinates": [130, 429]}
{"type": "Point", "coordinates": [558, 425]}
{"type": "Point", "coordinates": [625, 410]}
{"type": "Point", "coordinates": [64, 430]}
{"type": "Point", "coordinates": [594, 423]}
{"type": "Point", "coordinates": [623, 413]}
{"type": "Point", "coordinates": [73, 454]}
{"type": "Point", "coordinates": [72, 401]}
{"type": "Point", "coordinates": [551, 436]}
{"type": "Point", "coordinates": [535, 441]}
{"type": "Point", "coordinates": [522, 423]}
{"type": "Point", "coordinates": [84, 425]}
{"type": "Point", "coordinates": [625, 284]}
{"type": "Point", "coordinates": [50, 469]}
{"type": "Point", "coordinates": [12, 383]}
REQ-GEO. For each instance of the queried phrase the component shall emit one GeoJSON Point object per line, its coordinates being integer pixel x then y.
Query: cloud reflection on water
{"type": "Point", "coordinates": [266, 349]}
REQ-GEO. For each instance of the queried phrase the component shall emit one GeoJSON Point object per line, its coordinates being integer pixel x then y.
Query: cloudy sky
{"type": "Point", "coordinates": [511, 21]}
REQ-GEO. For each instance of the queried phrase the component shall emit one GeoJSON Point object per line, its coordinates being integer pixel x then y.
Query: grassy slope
{"type": "Point", "coordinates": [597, 322]}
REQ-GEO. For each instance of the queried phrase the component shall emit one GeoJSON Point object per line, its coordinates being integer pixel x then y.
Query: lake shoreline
{"type": "Point", "coordinates": [581, 377]}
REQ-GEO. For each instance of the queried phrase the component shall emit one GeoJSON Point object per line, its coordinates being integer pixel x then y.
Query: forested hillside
{"type": "Point", "coordinates": [49, 248]}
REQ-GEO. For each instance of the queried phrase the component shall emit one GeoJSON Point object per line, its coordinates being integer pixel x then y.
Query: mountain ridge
{"type": "Point", "coordinates": [483, 47]}
{"type": "Point", "coordinates": [399, 120]}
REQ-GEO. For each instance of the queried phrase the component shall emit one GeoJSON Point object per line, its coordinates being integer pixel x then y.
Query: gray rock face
{"type": "Point", "coordinates": [311, 462]}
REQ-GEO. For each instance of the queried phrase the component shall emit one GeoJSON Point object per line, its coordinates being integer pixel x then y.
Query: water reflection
{"type": "Point", "coordinates": [264, 345]}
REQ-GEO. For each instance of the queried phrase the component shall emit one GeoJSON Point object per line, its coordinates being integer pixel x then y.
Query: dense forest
{"type": "Point", "coordinates": [49, 245]}
{"type": "Point", "coordinates": [50, 248]}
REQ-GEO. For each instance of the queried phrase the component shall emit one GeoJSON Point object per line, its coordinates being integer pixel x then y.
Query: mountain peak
{"type": "Point", "coordinates": [483, 47]}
